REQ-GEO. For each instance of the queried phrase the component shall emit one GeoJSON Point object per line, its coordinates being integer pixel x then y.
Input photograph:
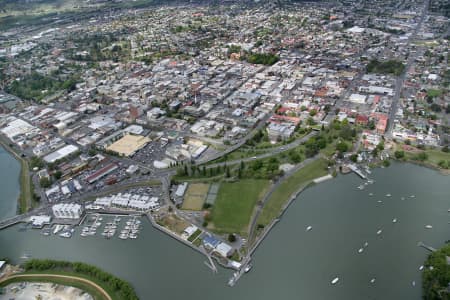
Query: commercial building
{"type": "Point", "coordinates": [61, 153]}
{"type": "Point", "coordinates": [67, 210]}
{"type": "Point", "coordinates": [102, 173]}
{"type": "Point", "coordinates": [129, 144]}
{"type": "Point", "coordinates": [40, 221]}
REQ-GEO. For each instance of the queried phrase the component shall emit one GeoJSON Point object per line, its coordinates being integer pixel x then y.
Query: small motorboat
{"type": "Point", "coordinates": [394, 220]}
{"type": "Point", "coordinates": [413, 283]}
{"type": "Point", "coordinates": [372, 280]}
{"type": "Point", "coordinates": [421, 268]}
{"type": "Point", "coordinates": [428, 226]}
{"type": "Point", "coordinates": [335, 280]}
{"type": "Point", "coordinates": [308, 228]}
{"type": "Point", "coordinates": [370, 194]}
{"type": "Point", "coordinates": [248, 268]}
{"type": "Point", "coordinates": [388, 195]}
{"type": "Point", "coordinates": [379, 232]}
{"type": "Point", "coordinates": [366, 244]}
{"type": "Point", "coordinates": [360, 250]}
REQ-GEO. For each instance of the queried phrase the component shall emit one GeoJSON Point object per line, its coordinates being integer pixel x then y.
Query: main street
{"type": "Point", "coordinates": [401, 80]}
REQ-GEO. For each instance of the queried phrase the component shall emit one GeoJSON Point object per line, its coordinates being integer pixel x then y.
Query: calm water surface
{"type": "Point", "coordinates": [9, 184]}
{"type": "Point", "coordinates": [291, 263]}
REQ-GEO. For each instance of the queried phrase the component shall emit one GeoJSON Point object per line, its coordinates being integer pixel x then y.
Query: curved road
{"type": "Point", "coordinates": [79, 279]}
{"type": "Point", "coordinates": [274, 151]}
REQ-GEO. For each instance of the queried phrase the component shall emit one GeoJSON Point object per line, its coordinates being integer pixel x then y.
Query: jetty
{"type": "Point", "coordinates": [357, 171]}
{"type": "Point", "coordinates": [429, 248]}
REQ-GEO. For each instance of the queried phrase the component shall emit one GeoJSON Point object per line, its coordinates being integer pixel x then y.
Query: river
{"type": "Point", "coordinates": [9, 184]}
{"type": "Point", "coordinates": [291, 263]}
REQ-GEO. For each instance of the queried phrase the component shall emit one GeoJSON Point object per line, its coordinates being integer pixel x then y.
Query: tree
{"type": "Point", "coordinates": [57, 174]}
{"type": "Point", "coordinates": [342, 147]}
{"type": "Point", "coordinates": [44, 182]}
{"type": "Point", "coordinates": [399, 154]}
{"type": "Point", "coordinates": [354, 157]}
{"type": "Point", "coordinates": [232, 238]}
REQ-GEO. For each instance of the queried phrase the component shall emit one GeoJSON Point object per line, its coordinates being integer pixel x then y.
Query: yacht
{"type": "Point", "coordinates": [394, 220]}
{"type": "Point", "coordinates": [335, 280]}
{"type": "Point", "coordinates": [308, 228]}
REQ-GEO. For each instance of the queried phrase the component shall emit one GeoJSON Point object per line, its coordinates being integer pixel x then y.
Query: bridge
{"type": "Point", "coordinates": [21, 218]}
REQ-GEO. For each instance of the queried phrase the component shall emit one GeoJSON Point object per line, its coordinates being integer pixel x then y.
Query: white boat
{"type": "Point", "coordinates": [388, 195]}
{"type": "Point", "coordinates": [420, 268]}
{"type": "Point", "coordinates": [58, 228]}
{"type": "Point", "coordinates": [402, 198]}
{"type": "Point", "coordinates": [379, 201]}
{"type": "Point", "coordinates": [428, 226]}
{"type": "Point", "coordinates": [412, 196]}
{"type": "Point", "coordinates": [335, 280]}
{"type": "Point", "coordinates": [394, 220]}
{"type": "Point", "coordinates": [370, 194]}
{"type": "Point", "coordinates": [308, 228]}
{"type": "Point", "coordinates": [366, 244]}
{"type": "Point", "coordinates": [372, 280]}
{"type": "Point", "coordinates": [66, 234]}
{"type": "Point", "coordinates": [448, 210]}
{"type": "Point", "coordinates": [361, 187]}
{"type": "Point", "coordinates": [413, 283]}
{"type": "Point", "coordinates": [360, 250]}
{"type": "Point", "coordinates": [247, 268]}
{"type": "Point", "coordinates": [379, 232]}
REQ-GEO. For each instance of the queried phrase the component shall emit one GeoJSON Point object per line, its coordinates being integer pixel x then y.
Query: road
{"type": "Point", "coordinates": [273, 152]}
{"type": "Point", "coordinates": [401, 79]}
{"type": "Point", "coordinates": [74, 278]}
{"type": "Point", "coordinates": [259, 208]}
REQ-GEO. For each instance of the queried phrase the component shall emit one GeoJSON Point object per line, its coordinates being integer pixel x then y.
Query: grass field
{"type": "Point", "coordinates": [195, 196]}
{"type": "Point", "coordinates": [234, 204]}
{"type": "Point", "coordinates": [284, 191]}
{"type": "Point", "coordinates": [433, 156]}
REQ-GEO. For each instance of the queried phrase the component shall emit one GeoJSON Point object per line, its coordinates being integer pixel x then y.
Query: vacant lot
{"type": "Point", "coordinates": [174, 223]}
{"type": "Point", "coordinates": [195, 196]}
{"type": "Point", "coordinates": [234, 205]}
{"type": "Point", "coordinates": [289, 186]}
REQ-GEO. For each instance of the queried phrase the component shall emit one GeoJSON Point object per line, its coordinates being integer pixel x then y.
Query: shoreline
{"type": "Point", "coordinates": [23, 204]}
